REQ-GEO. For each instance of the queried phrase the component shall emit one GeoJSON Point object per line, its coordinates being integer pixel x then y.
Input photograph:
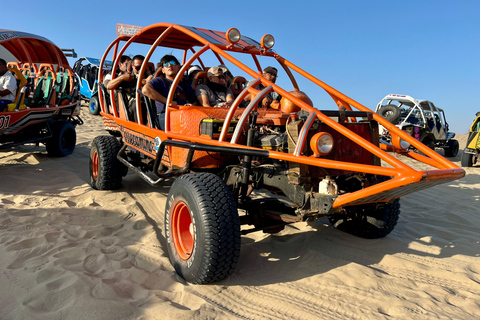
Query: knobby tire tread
{"type": "Point", "coordinates": [219, 215]}
{"type": "Point", "coordinates": [110, 176]}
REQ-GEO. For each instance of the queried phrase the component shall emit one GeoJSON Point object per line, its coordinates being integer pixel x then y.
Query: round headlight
{"type": "Point", "coordinates": [322, 143]}
{"type": "Point", "coordinates": [233, 35]}
{"type": "Point", "coordinates": [267, 41]}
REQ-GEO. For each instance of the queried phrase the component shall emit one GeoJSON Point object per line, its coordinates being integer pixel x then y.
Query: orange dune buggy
{"type": "Point", "coordinates": [46, 108]}
{"type": "Point", "coordinates": [322, 162]}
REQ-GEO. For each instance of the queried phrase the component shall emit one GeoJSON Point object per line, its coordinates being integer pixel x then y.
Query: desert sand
{"type": "Point", "coordinates": [68, 251]}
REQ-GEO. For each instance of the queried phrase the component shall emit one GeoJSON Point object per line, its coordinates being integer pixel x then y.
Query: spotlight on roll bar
{"type": "Point", "coordinates": [233, 35]}
{"type": "Point", "coordinates": [268, 41]}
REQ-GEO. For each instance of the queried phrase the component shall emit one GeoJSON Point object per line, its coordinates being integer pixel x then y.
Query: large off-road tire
{"type": "Point", "coordinates": [391, 113]}
{"type": "Point", "coordinates": [94, 105]}
{"type": "Point", "coordinates": [452, 148]}
{"type": "Point", "coordinates": [468, 159]}
{"type": "Point", "coordinates": [105, 169]}
{"type": "Point", "coordinates": [368, 221]}
{"type": "Point", "coordinates": [63, 140]}
{"type": "Point", "coordinates": [202, 228]}
{"type": "Point", "coordinates": [429, 143]}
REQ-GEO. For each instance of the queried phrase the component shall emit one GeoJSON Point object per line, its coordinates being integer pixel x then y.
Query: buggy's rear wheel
{"type": "Point", "coordinates": [429, 143]}
{"type": "Point", "coordinates": [452, 148]}
{"type": "Point", "coordinates": [63, 140]}
{"type": "Point", "coordinates": [202, 228]}
{"type": "Point", "coordinates": [105, 169]}
{"type": "Point", "coordinates": [94, 105]}
{"type": "Point", "coordinates": [369, 221]}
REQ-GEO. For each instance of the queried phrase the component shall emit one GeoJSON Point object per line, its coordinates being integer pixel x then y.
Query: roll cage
{"type": "Point", "coordinates": [419, 112]}
{"type": "Point", "coordinates": [195, 42]}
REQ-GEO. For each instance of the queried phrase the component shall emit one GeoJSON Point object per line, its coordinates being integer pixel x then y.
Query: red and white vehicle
{"type": "Point", "coordinates": [47, 102]}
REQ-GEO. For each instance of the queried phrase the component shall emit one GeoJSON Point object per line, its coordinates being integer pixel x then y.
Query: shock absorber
{"type": "Point", "coordinates": [247, 159]}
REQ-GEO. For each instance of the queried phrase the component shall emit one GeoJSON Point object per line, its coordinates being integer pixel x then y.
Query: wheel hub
{"type": "Point", "coordinates": [182, 230]}
{"type": "Point", "coordinates": [95, 165]}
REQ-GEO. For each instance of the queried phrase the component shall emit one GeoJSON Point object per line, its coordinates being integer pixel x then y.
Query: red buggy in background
{"type": "Point", "coordinates": [46, 106]}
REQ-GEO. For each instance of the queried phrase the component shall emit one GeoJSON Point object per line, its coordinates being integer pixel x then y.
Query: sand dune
{"type": "Point", "coordinates": [70, 252]}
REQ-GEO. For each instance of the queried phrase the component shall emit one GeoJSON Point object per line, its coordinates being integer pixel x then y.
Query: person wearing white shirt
{"type": "Point", "coordinates": [8, 86]}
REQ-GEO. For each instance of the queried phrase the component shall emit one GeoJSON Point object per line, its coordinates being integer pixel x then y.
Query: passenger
{"type": "Point", "coordinates": [8, 86]}
{"type": "Point", "coordinates": [269, 73]}
{"type": "Point", "coordinates": [158, 89]}
{"type": "Point", "coordinates": [122, 68]}
{"type": "Point", "coordinates": [127, 82]}
{"type": "Point", "coordinates": [192, 72]}
{"type": "Point", "coordinates": [214, 93]}
{"type": "Point", "coordinates": [228, 76]}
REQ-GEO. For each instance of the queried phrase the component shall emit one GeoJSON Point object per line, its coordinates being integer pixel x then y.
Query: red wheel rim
{"type": "Point", "coordinates": [182, 230]}
{"type": "Point", "coordinates": [95, 165]}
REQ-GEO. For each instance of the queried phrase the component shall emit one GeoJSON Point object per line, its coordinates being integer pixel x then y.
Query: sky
{"type": "Point", "coordinates": [427, 49]}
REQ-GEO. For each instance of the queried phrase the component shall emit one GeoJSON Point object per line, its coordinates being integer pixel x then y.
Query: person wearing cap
{"type": "Point", "coordinates": [269, 73]}
{"type": "Point", "coordinates": [192, 72]}
{"type": "Point", "coordinates": [214, 93]}
{"type": "Point", "coordinates": [159, 88]}
{"type": "Point", "coordinates": [228, 76]}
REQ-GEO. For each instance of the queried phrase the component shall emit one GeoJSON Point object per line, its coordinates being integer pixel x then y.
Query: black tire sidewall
{"type": "Point", "coordinates": [61, 130]}
{"type": "Point", "coordinates": [109, 168]}
{"type": "Point", "coordinates": [216, 228]}
{"type": "Point", "coordinates": [379, 223]}
{"type": "Point", "coordinates": [190, 268]}
{"type": "Point", "coordinates": [467, 159]}
{"type": "Point", "coordinates": [452, 149]}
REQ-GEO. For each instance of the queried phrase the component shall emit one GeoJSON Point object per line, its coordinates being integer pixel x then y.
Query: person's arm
{"type": "Point", "coordinates": [203, 100]}
{"type": "Point", "coordinates": [191, 98]}
{"type": "Point", "coordinates": [115, 83]}
{"type": "Point", "coordinates": [202, 96]}
{"type": "Point", "coordinates": [150, 92]}
{"type": "Point", "coordinates": [5, 92]}
{"type": "Point", "coordinates": [147, 80]}
{"type": "Point", "coordinates": [229, 96]}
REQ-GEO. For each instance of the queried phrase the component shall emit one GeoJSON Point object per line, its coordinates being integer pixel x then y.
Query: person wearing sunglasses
{"type": "Point", "coordinates": [214, 93]}
{"type": "Point", "coordinates": [129, 71]}
{"type": "Point", "coordinates": [159, 88]}
{"type": "Point", "coordinates": [271, 74]}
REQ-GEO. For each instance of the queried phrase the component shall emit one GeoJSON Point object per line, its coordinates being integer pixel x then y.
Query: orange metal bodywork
{"type": "Point", "coordinates": [182, 122]}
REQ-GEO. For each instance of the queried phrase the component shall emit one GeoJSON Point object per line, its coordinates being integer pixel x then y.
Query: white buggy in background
{"type": "Point", "coordinates": [419, 118]}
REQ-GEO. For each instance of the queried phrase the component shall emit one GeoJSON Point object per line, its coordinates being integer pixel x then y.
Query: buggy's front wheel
{"type": "Point", "coordinates": [202, 228]}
